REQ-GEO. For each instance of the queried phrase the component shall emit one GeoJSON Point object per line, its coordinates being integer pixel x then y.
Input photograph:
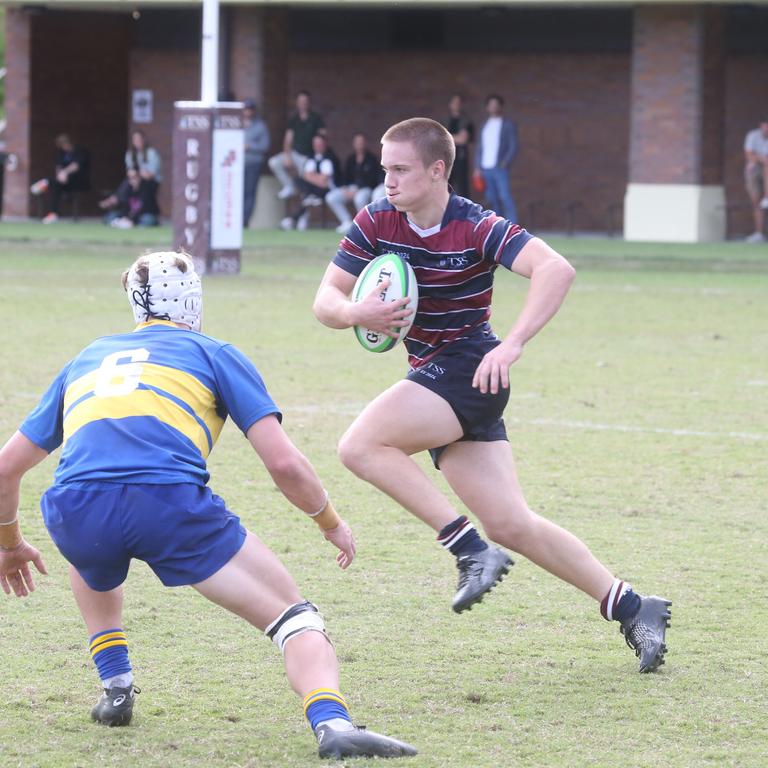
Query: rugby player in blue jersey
{"type": "Point", "coordinates": [137, 415]}
{"type": "Point", "coordinates": [452, 399]}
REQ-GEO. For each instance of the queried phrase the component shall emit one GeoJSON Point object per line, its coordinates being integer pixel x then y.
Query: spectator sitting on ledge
{"type": "Point", "coordinates": [71, 174]}
{"type": "Point", "coordinates": [133, 203]}
{"type": "Point", "coordinates": [318, 177]}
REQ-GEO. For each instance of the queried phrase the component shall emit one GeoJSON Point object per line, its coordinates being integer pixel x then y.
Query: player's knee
{"type": "Point", "coordinates": [294, 621]}
{"type": "Point", "coordinates": [512, 530]}
{"type": "Point", "coordinates": [354, 453]}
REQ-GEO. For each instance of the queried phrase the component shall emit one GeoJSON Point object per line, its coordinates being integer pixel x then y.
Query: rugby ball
{"type": "Point", "coordinates": [402, 283]}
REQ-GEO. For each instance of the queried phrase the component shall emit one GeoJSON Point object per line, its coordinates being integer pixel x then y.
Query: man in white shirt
{"type": "Point", "coordinates": [494, 154]}
{"type": "Point", "coordinates": [755, 174]}
{"type": "Point", "coordinates": [318, 177]}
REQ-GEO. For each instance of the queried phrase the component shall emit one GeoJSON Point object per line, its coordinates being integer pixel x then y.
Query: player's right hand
{"type": "Point", "coordinates": [381, 316]}
{"type": "Point", "coordinates": [14, 569]}
{"type": "Point", "coordinates": [342, 538]}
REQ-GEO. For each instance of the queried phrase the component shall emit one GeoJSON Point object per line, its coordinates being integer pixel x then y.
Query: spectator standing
{"type": "Point", "coordinates": [297, 145]}
{"type": "Point", "coordinates": [144, 158]}
{"type": "Point", "coordinates": [256, 147]}
{"type": "Point", "coordinates": [494, 154]}
{"type": "Point", "coordinates": [463, 132]}
{"type": "Point", "coordinates": [755, 175]}
{"type": "Point", "coordinates": [318, 176]}
{"type": "Point", "coordinates": [71, 174]}
{"type": "Point", "coordinates": [362, 174]}
{"type": "Point", "coordinates": [132, 204]}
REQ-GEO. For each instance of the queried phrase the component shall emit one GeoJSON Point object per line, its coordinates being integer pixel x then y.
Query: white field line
{"type": "Point", "coordinates": [589, 425]}
{"type": "Point", "coordinates": [352, 409]}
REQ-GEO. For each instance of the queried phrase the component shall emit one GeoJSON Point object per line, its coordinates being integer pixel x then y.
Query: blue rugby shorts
{"type": "Point", "coordinates": [449, 374]}
{"type": "Point", "coordinates": [183, 532]}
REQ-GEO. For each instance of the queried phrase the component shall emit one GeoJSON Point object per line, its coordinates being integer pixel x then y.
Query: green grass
{"type": "Point", "coordinates": [638, 419]}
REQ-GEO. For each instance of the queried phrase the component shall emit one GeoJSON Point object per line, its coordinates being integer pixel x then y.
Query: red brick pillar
{"type": "Point", "coordinates": [278, 102]}
{"type": "Point", "coordinates": [258, 69]}
{"type": "Point", "coordinates": [247, 53]}
{"type": "Point", "coordinates": [675, 190]}
{"type": "Point", "coordinates": [18, 23]}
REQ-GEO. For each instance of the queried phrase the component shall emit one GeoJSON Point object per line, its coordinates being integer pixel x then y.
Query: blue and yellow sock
{"type": "Point", "coordinates": [325, 704]}
{"type": "Point", "coordinates": [109, 650]}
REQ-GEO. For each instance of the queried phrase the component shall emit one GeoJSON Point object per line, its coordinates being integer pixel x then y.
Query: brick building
{"type": "Point", "coordinates": [631, 115]}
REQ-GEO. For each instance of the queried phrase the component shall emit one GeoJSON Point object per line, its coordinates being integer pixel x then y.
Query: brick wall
{"type": "Point", "coordinates": [171, 76]}
{"type": "Point", "coordinates": [666, 96]}
{"type": "Point", "coordinates": [572, 112]}
{"type": "Point", "coordinates": [17, 106]}
{"type": "Point", "coordinates": [83, 95]}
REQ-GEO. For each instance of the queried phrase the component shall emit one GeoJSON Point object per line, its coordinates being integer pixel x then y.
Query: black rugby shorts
{"type": "Point", "coordinates": [449, 374]}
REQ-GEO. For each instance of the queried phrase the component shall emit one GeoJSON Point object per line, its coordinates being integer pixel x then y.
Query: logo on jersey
{"type": "Point", "coordinates": [454, 262]}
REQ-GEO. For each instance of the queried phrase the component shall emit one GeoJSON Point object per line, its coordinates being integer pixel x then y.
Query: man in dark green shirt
{"type": "Point", "coordinates": [297, 144]}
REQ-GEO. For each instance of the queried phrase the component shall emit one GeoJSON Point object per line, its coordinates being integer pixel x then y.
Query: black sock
{"type": "Point", "coordinates": [621, 603]}
{"type": "Point", "coordinates": [461, 537]}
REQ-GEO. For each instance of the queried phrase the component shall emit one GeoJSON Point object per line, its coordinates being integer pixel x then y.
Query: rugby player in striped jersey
{"type": "Point", "coordinates": [451, 401]}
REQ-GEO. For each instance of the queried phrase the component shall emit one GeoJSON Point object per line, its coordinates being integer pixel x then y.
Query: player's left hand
{"type": "Point", "coordinates": [493, 371]}
{"type": "Point", "coordinates": [342, 538]}
{"type": "Point", "coordinates": [15, 573]}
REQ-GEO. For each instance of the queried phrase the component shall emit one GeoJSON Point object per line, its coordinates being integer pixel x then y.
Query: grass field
{"type": "Point", "coordinates": [639, 420]}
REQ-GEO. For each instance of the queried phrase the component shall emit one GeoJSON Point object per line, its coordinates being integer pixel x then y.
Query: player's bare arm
{"type": "Point", "coordinates": [17, 457]}
{"type": "Point", "coordinates": [551, 277]}
{"type": "Point", "coordinates": [332, 306]}
{"type": "Point", "coordinates": [296, 478]}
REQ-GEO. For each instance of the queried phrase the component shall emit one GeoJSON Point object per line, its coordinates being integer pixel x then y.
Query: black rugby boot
{"type": "Point", "coordinates": [645, 632]}
{"type": "Point", "coordinates": [358, 742]}
{"type": "Point", "coordinates": [115, 707]}
{"type": "Point", "coordinates": [479, 572]}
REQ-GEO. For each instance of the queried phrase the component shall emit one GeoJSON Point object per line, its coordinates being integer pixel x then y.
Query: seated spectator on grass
{"type": "Point", "coordinates": [132, 204]}
{"type": "Point", "coordinates": [362, 174]}
{"type": "Point", "coordinates": [318, 176]}
{"type": "Point", "coordinates": [297, 145]}
{"type": "Point", "coordinates": [71, 175]}
{"type": "Point", "coordinates": [145, 159]}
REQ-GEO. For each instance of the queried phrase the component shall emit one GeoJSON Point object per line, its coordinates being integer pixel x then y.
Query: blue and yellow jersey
{"type": "Point", "coordinates": [147, 406]}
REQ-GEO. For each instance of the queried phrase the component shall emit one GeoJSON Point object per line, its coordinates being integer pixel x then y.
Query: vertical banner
{"type": "Point", "coordinates": [207, 178]}
{"type": "Point", "coordinates": [227, 169]}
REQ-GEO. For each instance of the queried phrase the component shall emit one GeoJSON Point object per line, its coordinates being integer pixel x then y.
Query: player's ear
{"type": "Point", "coordinates": [437, 171]}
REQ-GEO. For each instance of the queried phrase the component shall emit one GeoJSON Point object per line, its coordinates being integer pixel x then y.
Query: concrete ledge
{"type": "Point", "coordinates": [674, 213]}
{"type": "Point", "coordinates": [269, 210]}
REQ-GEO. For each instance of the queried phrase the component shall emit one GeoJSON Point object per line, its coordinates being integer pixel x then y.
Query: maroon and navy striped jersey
{"type": "Point", "coordinates": [454, 265]}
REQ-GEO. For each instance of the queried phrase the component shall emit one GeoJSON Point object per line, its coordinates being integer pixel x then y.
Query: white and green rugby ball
{"type": "Point", "coordinates": [402, 283]}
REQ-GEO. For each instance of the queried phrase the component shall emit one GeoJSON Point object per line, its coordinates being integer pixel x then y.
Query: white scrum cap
{"type": "Point", "coordinates": [169, 293]}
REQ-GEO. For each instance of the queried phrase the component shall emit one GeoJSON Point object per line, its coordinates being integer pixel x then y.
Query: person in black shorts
{"type": "Point", "coordinates": [452, 400]}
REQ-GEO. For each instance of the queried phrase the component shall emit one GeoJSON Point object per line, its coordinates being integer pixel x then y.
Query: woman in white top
{"type": "Point", "coordinates": [143, 158]}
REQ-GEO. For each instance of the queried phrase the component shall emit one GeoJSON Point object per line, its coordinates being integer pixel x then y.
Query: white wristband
{"type": "Point", "coordinates": [16, 520]}
{"type": "Point", "coordinates": [324, 504]}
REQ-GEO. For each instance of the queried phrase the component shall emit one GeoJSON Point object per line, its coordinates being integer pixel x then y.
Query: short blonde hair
{"type": "Point", "coordinates": [430, 139]}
